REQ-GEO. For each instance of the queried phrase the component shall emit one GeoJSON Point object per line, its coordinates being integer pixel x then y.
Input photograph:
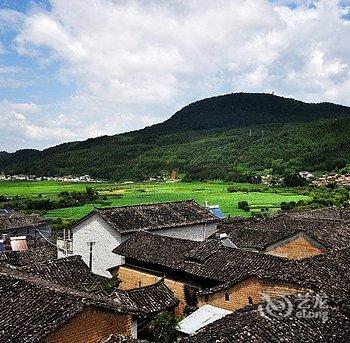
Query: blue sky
{"type": "Point", "coordinates": [70, 70]}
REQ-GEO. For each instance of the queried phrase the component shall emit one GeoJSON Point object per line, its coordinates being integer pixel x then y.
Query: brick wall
{"type": "Point", "coordinates": [277, 290]}
{"type": "Point", "coordinates": [90, 326]}
{"type": "Point", "coordinates": [240, 293]}
{"type": "Point", "coordinates": [296, 249]}
{"type": "Point", "coordinates": [131, 278]}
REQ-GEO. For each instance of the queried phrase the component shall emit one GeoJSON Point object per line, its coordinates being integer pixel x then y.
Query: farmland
{"type": "Point", "coordinates": [120, 194]}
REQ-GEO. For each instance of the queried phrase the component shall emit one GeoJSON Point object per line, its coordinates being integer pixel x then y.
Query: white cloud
{"type": "Point", "coordinates": [21, 126]}
{"type": "Point", "coordinates": [134, 62]}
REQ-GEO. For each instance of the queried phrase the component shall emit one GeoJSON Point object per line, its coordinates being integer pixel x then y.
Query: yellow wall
{"type": "Point", "coordinates": [251, 287]}
{"type": "Point", "coordinates": [131, 278]}
{"type": "Point", "coordinates": [90, 326]}
{"type": "Point", "coordinates": [297, 249]}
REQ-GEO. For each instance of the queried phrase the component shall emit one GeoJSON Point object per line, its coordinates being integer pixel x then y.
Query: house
{"type": "Point", "coordinates": [19, 224]}
{"type": "Point", "coordinates": [328, 273]}
{"type": "Point", "coordinates": [35, 311]}
{"type": "Point", "coordinates": [291, 235]}
{"type": "Point", "coordinates": [97, 234]}
{"type": "Point", "coordinates": [205, 315]}
{"type": "Point", "coordinates": [307, 175]}
{"type": "Point", "coordinates": [71, 275]}
{"type": "Point", "coordinates": [151, 299]}
{"type": "Point", "coordinates": [200, 273]}
{"type": "Point", "coordinates": [254, 324]}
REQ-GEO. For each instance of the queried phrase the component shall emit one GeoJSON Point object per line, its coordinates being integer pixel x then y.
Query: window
{"type": "Point", "coordinates": [227, 297]}
{"type": "Point", "coordinates": [250, 300]}
{"type": "Point", "coordinates": [140, 284]}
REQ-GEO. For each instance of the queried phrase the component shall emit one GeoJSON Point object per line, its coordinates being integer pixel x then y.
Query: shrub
{"type": "Point", "coordinates": [243, 205]}
{"type": "Point", "coordinates": [232, 189]}
{"type": "Point", "coordinates": [164, 327]}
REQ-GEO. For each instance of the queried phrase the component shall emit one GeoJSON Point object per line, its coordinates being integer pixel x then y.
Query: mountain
{"type": "Point", "coordinates": [227, 137]}
{"type": "Point", "coordinates": [242, 109]}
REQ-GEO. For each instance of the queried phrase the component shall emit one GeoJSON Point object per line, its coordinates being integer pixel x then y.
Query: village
{"type": "Point", "coordinates": [66, 178]}
{"type": "Point", "coordinates": [116, 271]}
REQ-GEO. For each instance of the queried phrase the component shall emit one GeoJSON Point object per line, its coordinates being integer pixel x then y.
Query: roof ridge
{"type": "Point", "coordinates": [148, 204]}
{"type": "Point", "coordinates": [85, 297]}
{"type": "Point", "coordinates": [159, 282]}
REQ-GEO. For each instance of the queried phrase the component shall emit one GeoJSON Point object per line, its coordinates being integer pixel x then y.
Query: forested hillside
{"type": "Point", "coordinates": [229, 137]}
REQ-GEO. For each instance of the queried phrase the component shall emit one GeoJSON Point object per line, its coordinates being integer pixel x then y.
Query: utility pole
{"type": "Point", "coordinates": [91, 244]}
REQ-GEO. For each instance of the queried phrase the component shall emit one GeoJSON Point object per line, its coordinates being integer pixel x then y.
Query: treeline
{"type": "Point", "coordinates": [64, 199]}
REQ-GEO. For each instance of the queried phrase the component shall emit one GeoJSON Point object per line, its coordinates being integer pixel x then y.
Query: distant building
{"type": "Point", "coordinates": [307, 176]}
{"type": "Point", "coordinates": [97, 234]}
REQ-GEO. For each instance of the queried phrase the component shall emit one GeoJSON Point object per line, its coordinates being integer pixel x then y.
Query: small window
{"type": "Point", "coordinates": [227, 297]}
{"type": "Point", "coordinates": [140, 284]}
{"type": "Point", "coordinates": [250, 300]}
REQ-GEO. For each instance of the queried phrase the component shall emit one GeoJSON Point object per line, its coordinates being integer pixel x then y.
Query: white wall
{"type": "Point", "coordinates": [95, 229]}
{"type": "Point", "coordinates": [197, 232]}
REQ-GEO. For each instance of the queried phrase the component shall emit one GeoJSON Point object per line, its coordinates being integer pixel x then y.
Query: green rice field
{"type": "Point", "coordinates": [120, 194]}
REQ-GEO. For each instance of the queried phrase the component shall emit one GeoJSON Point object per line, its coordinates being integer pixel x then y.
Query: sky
{"type": "Point", "coordinates": [74, 69]}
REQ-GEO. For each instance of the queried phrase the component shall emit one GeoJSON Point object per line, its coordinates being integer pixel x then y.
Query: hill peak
{"type": "Point", "coordinates": [242, 109]}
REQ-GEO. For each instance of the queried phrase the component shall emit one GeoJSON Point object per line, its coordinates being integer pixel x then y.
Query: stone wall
{"type": "Point", "coordinates": [91, 326]}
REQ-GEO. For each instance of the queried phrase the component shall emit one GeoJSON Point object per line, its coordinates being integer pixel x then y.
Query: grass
{"type": "Point", "coordinates": [118, 194]}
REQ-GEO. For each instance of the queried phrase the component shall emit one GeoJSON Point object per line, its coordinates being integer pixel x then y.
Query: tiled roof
{"type": "Point", "coordinates": [42, 252]}
{"type": "Point", "coordinates": [208, 260]}
{"type": "Point", "coordinates": [328, 273]}
{"type": "Point", "coordinates": [156, 216]}
{"type": "Point", "coordinates": [32, 308]}
{"type": "Point", "coordinates": [250, 238]}
{"type": "Point", "coordinates": [157, 249]}
{"type": "Point", "coordinates": [249, 326]}
{"type": "Point", "coordinates": [122, 339]}
{"type": "Point", "coordinates": [70, 271]}
{"type": "Point", "coordinates": [19, 220]}
{"type": "Point", "coordinates": [327, 213]}
{"type": "Point", "coordinates": [154, 298]}
{"type": "Point", "coordinates": [254, 233]}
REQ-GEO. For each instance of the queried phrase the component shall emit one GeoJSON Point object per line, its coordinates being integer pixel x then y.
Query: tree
{"type": "Point", "coordinates": [243, 205]}
{"type": "Point", "coordinates": [294, 180]}
{"type": "Point", "coordinates": [164, 327]}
